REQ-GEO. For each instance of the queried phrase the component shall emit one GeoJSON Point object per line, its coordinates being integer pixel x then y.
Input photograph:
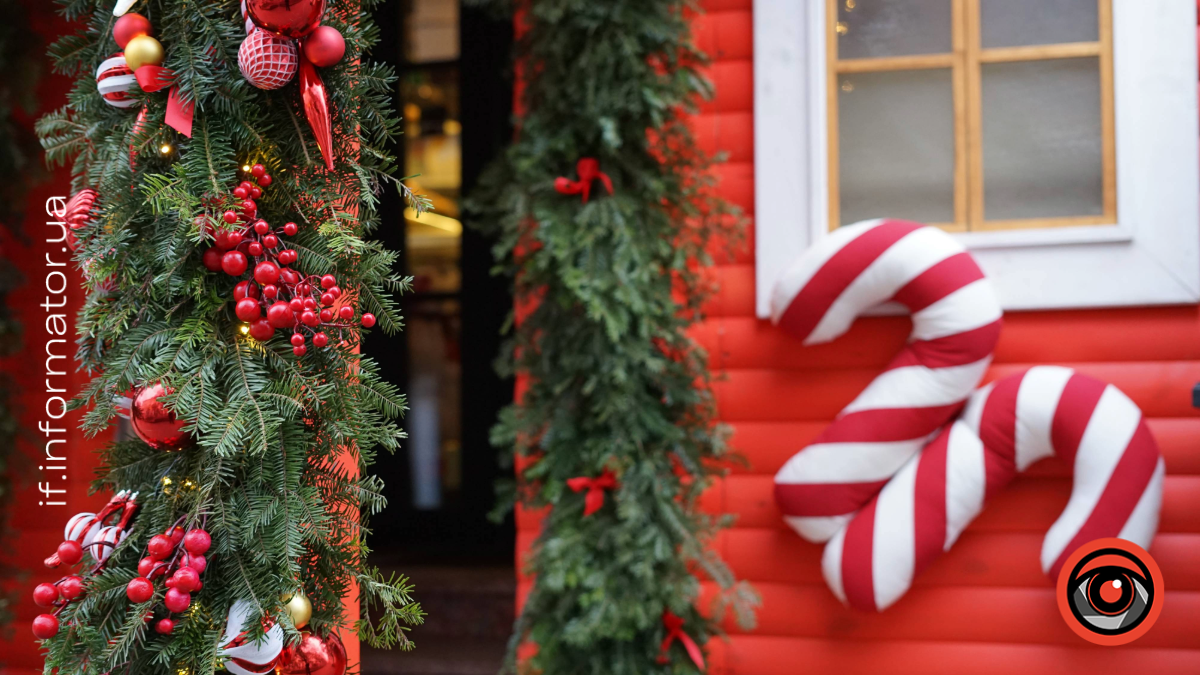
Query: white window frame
{"type": "Point", "coordinates": [1150, 256]}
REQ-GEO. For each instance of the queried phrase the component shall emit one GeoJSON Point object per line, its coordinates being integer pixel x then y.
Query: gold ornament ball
{"type": "Point", "coordinates": [143, 50]}
{"type": "Point", "coordinates": [299, 608]}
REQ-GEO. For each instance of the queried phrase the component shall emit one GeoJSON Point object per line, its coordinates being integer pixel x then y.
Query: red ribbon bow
{"type": "Point", "coordinates": [179, 114]}
{"type": "Point", "coordinates": [595, 487]}
{"type": "Point", "coordinates": [588, 169]}
{"type": "Point", "coordinates": [674, 626]}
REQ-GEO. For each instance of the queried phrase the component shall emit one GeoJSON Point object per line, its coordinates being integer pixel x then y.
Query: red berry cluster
{"type": "Point", "coordinates": [180, 566]}
{"type": "Point", "coordinates": [290, 300]}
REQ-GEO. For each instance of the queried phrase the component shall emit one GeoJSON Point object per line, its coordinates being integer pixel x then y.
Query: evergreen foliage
{"type": "Point", "coordinates": [277, 474]}
{"type": "Point", "coordinates": [607, 291]}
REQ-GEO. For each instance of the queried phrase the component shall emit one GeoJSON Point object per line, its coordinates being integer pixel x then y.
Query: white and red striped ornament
{"type": "Point", "coordinates": [246, 18]}
{"type": "Point", "coordinates": [78, 213]}
{"type": "Point", "coordinates": [266, 61]}
{"type": "Point", "coordinates": [243, 656]}
{"type": "Point", "coordinates": [916, 509]}
{"type": "Point", "coordinates": [114, 79]}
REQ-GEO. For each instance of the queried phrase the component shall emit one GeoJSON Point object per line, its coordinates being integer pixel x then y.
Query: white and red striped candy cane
{"type": "Point", "coordinates": [1006, 427]}
{"type": "Point", "coordinates": [956, 323]}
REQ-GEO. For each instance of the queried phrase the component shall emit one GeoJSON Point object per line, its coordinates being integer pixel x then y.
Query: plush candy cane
{"type": "Point", "coordinates": [244, 656]}
{"type": "Point", "coordinates": [1006, 427]}
{"type": "Point", "coordinates": [956, 322]}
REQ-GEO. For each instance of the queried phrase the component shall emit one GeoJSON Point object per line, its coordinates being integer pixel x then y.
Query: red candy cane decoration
{"type": "Point", "coordinates": [956, 322]}
{"type": "Point", "coordinates": [920, 511]}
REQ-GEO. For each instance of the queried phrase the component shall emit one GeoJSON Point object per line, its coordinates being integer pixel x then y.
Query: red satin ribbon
{"type": "Point", "coordinates": [588, 169]}
{"type": "Point", "coordinates": [674, 626]}
{"type": "Point", "coordinates": [179, 113]}
{"type": "Point", "coordinates": [595, 489]}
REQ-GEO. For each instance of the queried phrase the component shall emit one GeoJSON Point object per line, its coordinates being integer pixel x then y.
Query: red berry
{"type": "Point", "coordinates": [296, 304]}
{"type": "Point", "coordinates": [146, 567]}
{"type": "Point", "coordinates": [255, 192]}
{"type": "Point", "coordinates": [264, 180]}
{"type": "Point", "coordinates": [270, 291]}
{"type": "Point", "coordinates": [199, 585]}
{"type": "Point", "coordinates": [71, 587]}
{"type": "Point", "coordinates": [186, 579]}
{"type": "Point", "coordinates": [212, 259]}
{"type": "Point", "coordinates": [228, 239]}
{"type": "Point", "coordinates": [346, 312]}
{"type": "Point", "coordinates": [176, 532]}
{"type": "Point", "coordinates": [299, 351]}
{"type": "Point", "coordinates": [139, 590]}
{"type": "Point", "coordinates": [309, 303]}
{"type": "Point", "coordinates": [255, 249]}
{"type": "Point", "coordinates": [45, 626]}
{"type": "Point", "coordinates": [297, 340]}
{"type": "Point", "coordinates": [198, 563]}
{"type": "Point", "coordinates": [164, 626]}
{"type": "Point", "coordinates": [335, 292]}
{"type": "Point", "coordinates": [266, 272]}
{"type": "Point", "coordinates": [197, 541]}
{"type": "Point", "coordinates": [309, 318]}
{"type": "Point", "coordinates": [290, 229]}
{"type": "Point", "coordinates": [304, 289]}
{"type": "Point", "coordinates": [160, 546]}
{"type": "Point", "coordinates": [262, 227]}
{"type": "Point", "coordinates": [368, 320]}
{"type": "Point", "coordinates": [280, 315]}
{"type": "Point", "coordinates": [327, 315]}
{"type": "Point", "coordinates": [320, 340]}
{"type": "Point", "coordinates": [243, 289]}
{"type": "Point", "coordinates": [328, 281]}
{"type": "Point", "coordinates": [234, 263]}
{"type": "Point", "coordinates": [70, 552]}
{"type": "Point", "coordinates": [177, 600]}
{"type": "Point", "coordinates": [246, 184]}
{"type": "Point", "coordinates": [170, 582]}
{"type": "Point", "coordinates": [327, 299]}
{"type": "Point", "coordinates": [230, 217]}
{"type": "Point", "coordinates": [270, 241]}
{"type": "Point", "coordinates": [261, 330]}
{"type": "Point", "coordinates": [45, 595]}
{"type": "Point", "coordinates": [258, 170]}
{"type": "Point", "coordinates": [289, 276]}
{"type": "Point", "coordinates": [241, 192]}
{"type": "Point", "coordinates": [247, 309]}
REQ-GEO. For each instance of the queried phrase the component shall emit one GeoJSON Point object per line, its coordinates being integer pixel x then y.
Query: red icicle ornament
{"type": "Point", "coordinates": [316, 108]}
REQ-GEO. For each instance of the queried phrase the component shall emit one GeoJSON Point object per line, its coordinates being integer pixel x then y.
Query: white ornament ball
{"type": "Point", "coordinates": [114, 79]}
{"type": "Point", "coordinates": [266, 61]}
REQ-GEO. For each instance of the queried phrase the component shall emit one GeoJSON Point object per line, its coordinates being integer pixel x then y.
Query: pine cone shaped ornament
{"type": "Point", "coordinates": [266, 61]}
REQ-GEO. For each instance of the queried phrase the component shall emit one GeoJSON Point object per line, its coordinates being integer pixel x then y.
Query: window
{"type": "Point", "coordinates": [1058, 138]}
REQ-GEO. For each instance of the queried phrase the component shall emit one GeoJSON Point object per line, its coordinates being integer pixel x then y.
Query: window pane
{"type": "Point", "coordinates": [1042, 139]}
{"type": "Point", "coordinates": [875, 28]}
{"type": "Point", "coordinates": [896, 146]}
{"type": "Point", "coordinates": [1016, 23]}
{"type": "Point", "coordinates": [431, 27]}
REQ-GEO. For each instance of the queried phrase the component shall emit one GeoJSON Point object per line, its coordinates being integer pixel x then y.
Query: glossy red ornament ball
{"type": "Point", "coordinates": [186, 579]}
{"type": "Point", "coordinates": [328, 281]}
{"type": "Point", "coordinates": [320, 340]}
{"type": "Point", "coordinates": [212, 259]}
{"type": "Point", "coordinates": [139, 590]}
{"type": "Point", "coordinates": [243, 289]}
{"type": "Point", "coordinates": [280, 315]}
{"type": "Point", "coordinates": [290, 229]}
{"type": "Point", "coordinates": [346, 312]}
{"type": "Point", "coordinates": [247, 309]}
{"type": "Point", "coordinates": [324, 47]}
{"type": "Point", "coordinates": [164, 626]}
{"type": "Point", "coordinates": [261, 330]}
{"type": "Point", "coordinates": [177, 600]}
{"type": "Point", "coordinates": [130, 26]}
{"type": "Point", "coordinates": [198, 563]}
{"type": "Point", "coordinates": [197, 542]}
{"type": "Point", "coordinates": [262, 227]}
{"type": "Point", "coordinates": [160, 547]}
{"type": "Point", "coordinates": [266, 272]}
{"type": "Point", "coordinates": [45, 595]}
{"type": "Point", "coordinates": [234, 263]}
{"type": "Point", "coordinates": [292, 19]}
{"type": "Point", "coordinates": [70, 552]}
{"type": "Point", "coordinates": [300, 351]}
{"type": "Point", "coordinates": [45, 626]}
{"type": "Point", "coordinates": [71, 587]}
{"type": "Point", "coordinates": [368, 320]}
{"type": "Point", "coordinates": [267, 61]}
{"type": "Point", "coordinates": [297, 340]}
{"type": "Point", "coordinates": [154, 424]}
{"type": "Point", "coordinates": [313, 655]}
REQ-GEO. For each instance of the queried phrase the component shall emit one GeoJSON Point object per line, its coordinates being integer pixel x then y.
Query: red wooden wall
{"type": "Point", "coordinates": [985, 606]}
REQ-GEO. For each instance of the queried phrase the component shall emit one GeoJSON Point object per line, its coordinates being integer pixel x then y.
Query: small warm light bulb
{"type": "Point", "coordinates": [245, 329]}
{"type": "Point", "coordinates": [166, 480]}
{"type": "Point", "coordinates": [246, 168]}
{"type": "Point", "coordinates": [165, 149]}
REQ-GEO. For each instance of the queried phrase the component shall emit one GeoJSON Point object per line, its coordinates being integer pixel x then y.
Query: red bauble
{"type": "Point", "coordinates": [368, 320]}
{"type": "Point", "coordinates": [154, 424]}
{"type": "Point", "coordinates": [186, 579]}
{"type": "Point", "coordinates": [313, 655]}
{"type": "Point", "coordinates": [164, 626]}
{"type": "Point", "coordinates": [177, 600]}
{"type": "Point", "coordinates": [139, 590]}
{"type": "Point", "coordinates": [247, 309]}
{"type": "Point", "coordinates": [45, 626]}
{"type": "Point", "coordinates": [71, 587]}
{"type": "Point", "coordinates": [261, 330]}
{"type": "Point", "coordinates": [160, 547]}
{"type": "Point", "coordinates": [45, 595]}
{"type": "Point", "coordinates": [130, 26]}
{"type": "Point", "coordinates": [266, 272]}
{"type": "Point", "coordinates": [234, 263]}
{"type": "Point", "coordinates": [266, 61]}
{"type": "Point", "coordinates": [78, 213]}
{"type": "Point", "coordinates": [320, 340]}
{"type": "Point", "coordinates": [324, 47]}
{"type": "Point", "coordinates": [280, 315]}
{"type": "Point", "coordinates": [290, 229]}
{"type": "Point", "coordinates": [197, 542]}
{"type": "Point", "coordinates": [212, 259]}
{"type": "Point", "coordinates": [70, 552]}
{"type": "Point", "coordinates": [114, 79]}
{"type": "Point", "coordinates": [286, 18]}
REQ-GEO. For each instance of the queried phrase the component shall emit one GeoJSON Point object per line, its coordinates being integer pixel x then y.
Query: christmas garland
{"type": "Point", "coordinates": [605, 212]}
{"type": "Point", "coordinates": [227, 161]}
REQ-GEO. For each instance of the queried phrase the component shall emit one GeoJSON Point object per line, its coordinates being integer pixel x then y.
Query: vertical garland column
{"type": "Point", "coordinates": [605, 212]}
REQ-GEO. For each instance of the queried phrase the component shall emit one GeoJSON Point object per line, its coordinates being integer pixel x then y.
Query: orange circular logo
{"type": "Point", "coordinates": [1110, 591]}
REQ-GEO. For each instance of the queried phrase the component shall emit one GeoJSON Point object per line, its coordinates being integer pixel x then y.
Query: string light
{"type": "Point", "coordinates": [842, 28]}
{"type": "Point", "coordinates": [165, 149]}
{"type": "Point", "coordinates": [245, 168]}
{"type": "Point", "coordinates": [245, 328]}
